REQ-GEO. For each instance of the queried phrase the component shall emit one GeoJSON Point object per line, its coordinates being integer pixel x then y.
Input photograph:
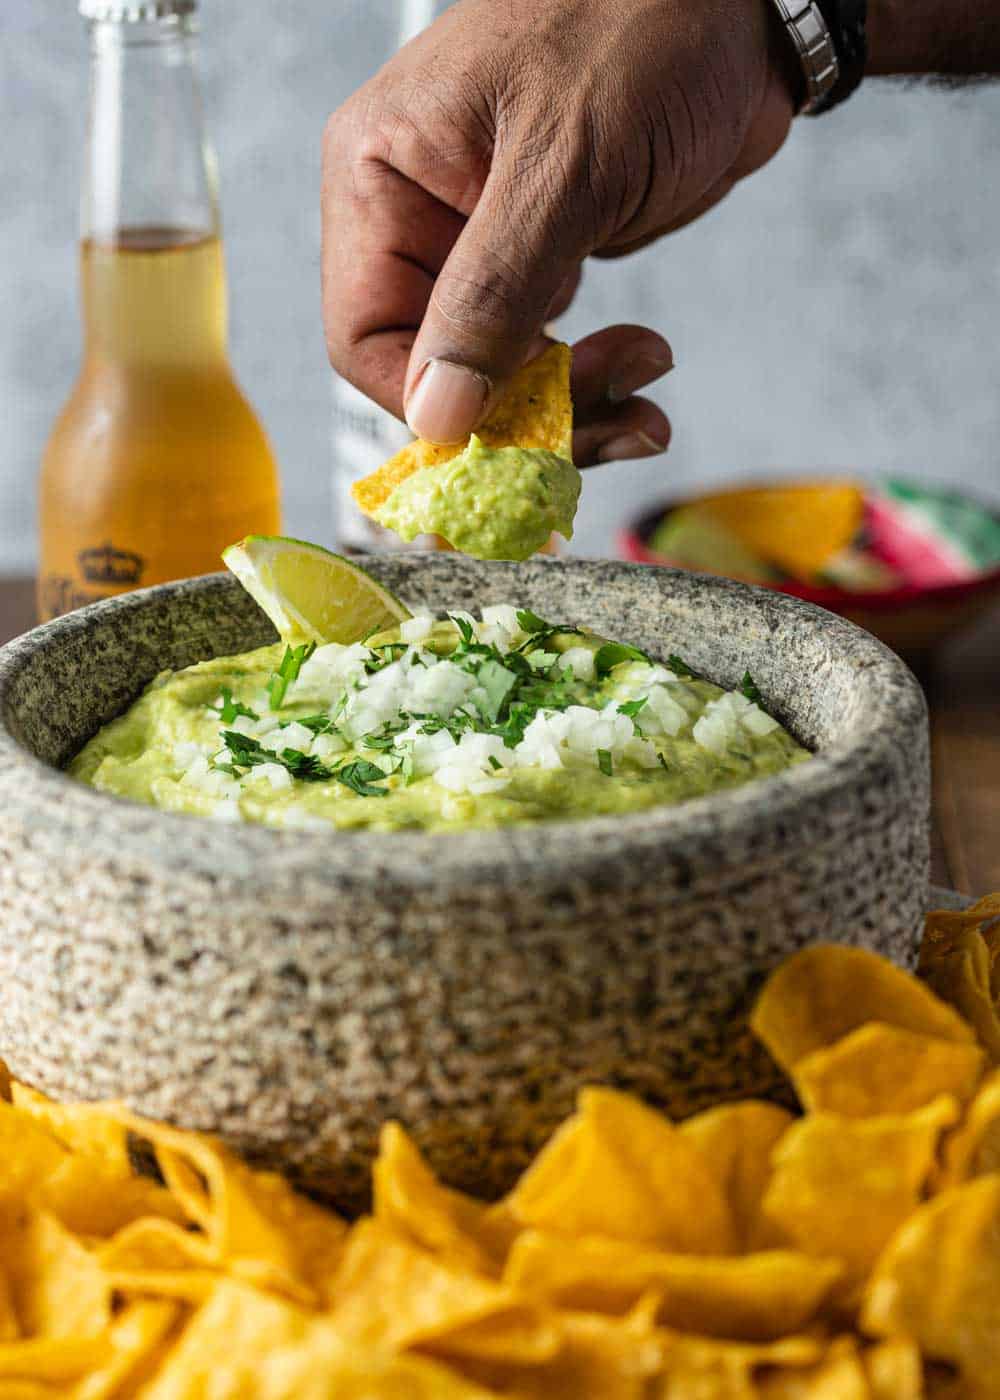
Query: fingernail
{"type": "Point", "coordinates": [629, 446]}
{"type": "Point", "coordinates": [636, 372]}
{"type": "Point", "coordinates": [447, 403]}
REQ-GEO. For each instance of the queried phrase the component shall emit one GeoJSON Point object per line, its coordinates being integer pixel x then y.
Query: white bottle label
{"type": "Point", "coordinates": [362, 437]}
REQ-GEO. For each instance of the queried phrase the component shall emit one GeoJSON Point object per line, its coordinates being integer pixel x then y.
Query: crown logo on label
{"type": "Point", "coordinates": [109, 565]}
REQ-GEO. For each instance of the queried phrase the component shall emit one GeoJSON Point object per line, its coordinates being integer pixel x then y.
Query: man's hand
{"type": "Point", "coordinates": [467, 182]}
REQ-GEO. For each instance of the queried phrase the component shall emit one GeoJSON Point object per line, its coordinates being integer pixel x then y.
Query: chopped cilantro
{"type": "Point", "coordinates": [663, 763]}
{"type": "Point", "coordinates": [749, 688]}
{"type": "Point", "coordinates": [604, 762]}
{"type": "Point", "coordinates": [465, 629]}
{"type": "Point", "coordinates": [319, 724]}
{"type": "Point", "coordinates": [291, 664]}
{"type": "Point", "coordinates": [494, 762]}
{"type": "Point", "coordinates": [230, 708]}
{"type": "Point", "coordinates": [612, 654]}
{"type": "Point", "coordinates": [249, 753]}
{"type": "Point", "coordinates": [361, 777]}
{"type": "Point", "coordinates": [531, 622]}
{"type": "Point", "coordinates": [632, 707]}
{"type": "Point", "coordinates": [680, 667]}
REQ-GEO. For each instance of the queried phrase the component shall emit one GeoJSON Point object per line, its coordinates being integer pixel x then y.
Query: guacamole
{"type": "Point", "coordinates": [436, 726]}
{"type": "Point", "coordinates": [490, 502]}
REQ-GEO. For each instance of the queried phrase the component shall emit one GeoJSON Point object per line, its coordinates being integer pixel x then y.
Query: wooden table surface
{"type": "Point", "coordinates": [963, 688]}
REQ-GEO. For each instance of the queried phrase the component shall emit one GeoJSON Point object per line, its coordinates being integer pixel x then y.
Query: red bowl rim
{"type": "Point", "coordinates": [632, 544]}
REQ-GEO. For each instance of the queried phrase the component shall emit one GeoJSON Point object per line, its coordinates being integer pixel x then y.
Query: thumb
{"type": "Point", "coordinates": [489, 303]}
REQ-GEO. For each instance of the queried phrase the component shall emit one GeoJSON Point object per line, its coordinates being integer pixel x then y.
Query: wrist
{"type": "Point", "coordinates": [960, 37]}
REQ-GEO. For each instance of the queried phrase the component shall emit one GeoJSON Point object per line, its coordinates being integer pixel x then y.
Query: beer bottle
{"type": "Point", "coordinates": [157, 460]}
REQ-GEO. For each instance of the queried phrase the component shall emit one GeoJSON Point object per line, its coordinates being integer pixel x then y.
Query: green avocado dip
{"type": "Point", "coordinates": [490, 502]}
{"type": "Point", "coordinates": [435, 726]}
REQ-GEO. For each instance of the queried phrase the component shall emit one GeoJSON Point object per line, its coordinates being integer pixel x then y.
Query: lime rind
{"type": "Point", "coordinates": [309, 593]}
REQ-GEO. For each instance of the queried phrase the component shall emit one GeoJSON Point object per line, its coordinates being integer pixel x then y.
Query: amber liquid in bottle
{"type": "Point", "coordinates": [157, 461]}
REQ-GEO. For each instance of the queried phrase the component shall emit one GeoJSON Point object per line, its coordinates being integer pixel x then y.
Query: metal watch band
{"type": "Point", "coordinates": [814, 45]}
{"type": "Point", "coordinates": [846, 21]}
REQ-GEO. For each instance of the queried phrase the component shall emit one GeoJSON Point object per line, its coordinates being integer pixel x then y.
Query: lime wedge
{"type": "Point", "coordinates": [310, 594]}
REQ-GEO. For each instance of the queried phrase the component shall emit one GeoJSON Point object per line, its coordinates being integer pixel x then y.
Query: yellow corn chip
{"type": "Point", "coordinates": [894, 1370]}
{"type": "Point", "coordinates": [699, 1369]}
{"type": "Point", "coordinates": [737, 1140]}
{"type": "Point", "coordinates": [221, 1348]}
{"type": "Point", "coordinates": [92, 1130]}
{"type": "Point", "coordinates": [842, 1186]}
{"type": "Point", "coordinates": [138, 1338]}
{"type": "Point", "coordinates": [939, 1283]}
{"type": "Point", "coordinates": [10, 1328]}
{"type": "Point", "coordinates": [57, 1287]}
{"type": "Point", "coordinates": [756, 1297]}
{"type": "Point", "coordinates": [960, 960]}
{"type": "Point", "coordinates": [390, 1294]}
{"type": "Point", "coordinates": [619, 1168]}
{"type": "Point", "coordinates": [797, 526]}
{"type": "Point", "coordinates": [973, 1149]}
{"type": "Point", "coordinates": [29, 1154]}
{"type": "Point", "coordinates": [258, 1226]}
{"type": "Point", "coordinates": [412, 1202]}
{"type": "Point", "coordinates": [598, 1359]}
{"type": "Point", "coordinates": [48, 1361]}
{"type": "Point", "coordinates": [536, 411]}
{"type": "Point", "coordinates": [158, 1259]}
{"type": "Point", "coordinates": [883, 1069]}
{"type": "Point", "coordinates": [839, 1376]}
{"type": "Point", "coordinates": [325, 1366]}
{"type": "Point", "coordinates": [825, 992]}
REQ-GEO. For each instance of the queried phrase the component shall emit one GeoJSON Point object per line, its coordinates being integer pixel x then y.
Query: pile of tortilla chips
{"type": "Point", "coordinates": [535, 412]}
{"type": "Point", "coordinates": [850, 1252]}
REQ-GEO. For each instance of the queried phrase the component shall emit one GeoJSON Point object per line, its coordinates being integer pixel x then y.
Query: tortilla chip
{"type": "Point", "coordinates": [29, 1154]}
{"type": "Point", "coordinates": [43, 1362]}
{"type": "Point", "coordinates": [259, 1228]}
{"type": "Point", "coordinates": [409, 1200]}
{"type": "Point", "coordinates": [222, 1347]}
{"type": "Point", "coordinates": [973, 1148]}
{"type": "Point", "coordinates": [139, 1338]}
{"type": "Point", "coordinates": [797, 526]}
{"type": "Point", "coordinates": [158, 1259]}
{"type": "Point", "coordinates": [842, 1186]}
{"type": "Point", "coordinates": [697, 1368]}
{"type": "Point", "coordinates": [882, 1069]}
{"type": "Point", "coordinates": [620, 1169]}
{"type": "Point", "coordinates": [894, 1370]}
{"type": "Point", "coordinates": [324, 1366]}
{"type": "Point", "coordinates": [391, 1295]}
{"type": "Point", "coordinates": [755, 1297]}
{"type": "Point", "coordinates": [597, 1357]}
{"type": "Point", "coordinates": [536, 411]}
{"type": "Point", "coordinates": [826, 991]}
{"type": "Point", "coordinates": [939, 1283]}
{"type": "Point", "coordinates": [839, 1376]}
{"type": "Point", "coordinates": [57, 1287]}
{"type": "Point", "coordinates": [737, 1140]}
{"type": "Point", "coordinates": [960, 960]}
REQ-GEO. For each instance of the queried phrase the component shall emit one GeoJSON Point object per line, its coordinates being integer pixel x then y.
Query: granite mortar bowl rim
{"type": "Point", "coordinates": [263, 854]}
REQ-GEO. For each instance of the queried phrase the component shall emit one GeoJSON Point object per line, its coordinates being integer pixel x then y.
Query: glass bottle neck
{"type": "Point", "coordinates": [152, 272]}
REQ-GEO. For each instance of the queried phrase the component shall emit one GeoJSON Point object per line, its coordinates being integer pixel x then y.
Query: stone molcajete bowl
{"type": "Point", "coordinates": [292, 991]}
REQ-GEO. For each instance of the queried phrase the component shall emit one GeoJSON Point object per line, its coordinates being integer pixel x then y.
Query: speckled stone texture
{"type": "Point", "coordinates": [293, 990]}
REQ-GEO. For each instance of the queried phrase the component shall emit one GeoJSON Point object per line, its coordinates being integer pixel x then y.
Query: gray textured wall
{"type": "Point", "coordinates": [840, 310]}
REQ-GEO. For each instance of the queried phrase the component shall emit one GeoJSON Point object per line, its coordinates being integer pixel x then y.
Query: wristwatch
{"type": "Point", "coordinates": [830, 41]}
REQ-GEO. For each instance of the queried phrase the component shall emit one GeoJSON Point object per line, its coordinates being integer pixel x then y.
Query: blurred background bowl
{"type": "Point", "coordinates": [911, 617]}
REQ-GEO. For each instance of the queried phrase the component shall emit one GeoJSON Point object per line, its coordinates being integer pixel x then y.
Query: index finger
{"type": "Point", "coordinates": [384, 241]}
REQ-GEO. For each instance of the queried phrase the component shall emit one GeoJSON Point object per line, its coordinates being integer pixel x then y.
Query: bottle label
{"type": "Point", "coordinates": [102, 571]}
{"type": "Point", "coordinates": [362, 437]}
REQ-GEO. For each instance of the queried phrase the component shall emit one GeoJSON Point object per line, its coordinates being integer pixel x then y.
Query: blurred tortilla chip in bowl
{"type": "Point", "coordinates": [911, 563]}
